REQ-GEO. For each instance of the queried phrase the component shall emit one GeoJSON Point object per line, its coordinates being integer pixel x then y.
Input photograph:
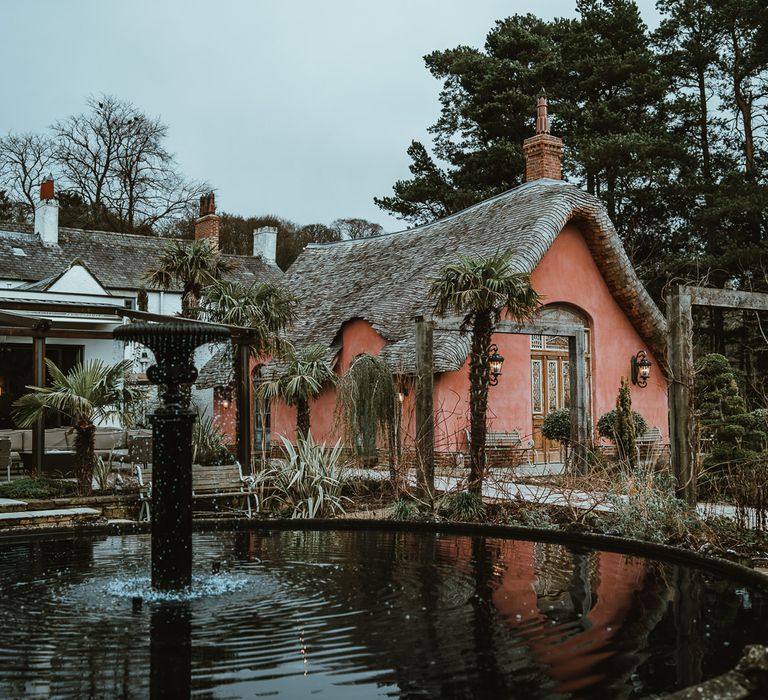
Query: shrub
{"type": "Point", "coordinates": [463, 505]}
{"type": "Point", "coordinates": [538, 518]}
{"type": "Point", "coordinates": [746, 483]}
{"type": "Point", "coordinates": [309, 483]}
{"type": "Point", "coordinates": [624, 429]}
{"type": "Point", "coordinates": [37, 488]}
{"type": "Point", "coordinates": [649, 509]}
{"type": "Point", "coordinates": [208, 446]}
{"type": "Point", "coordinates": [607, 422]}
{"type": "Point", "coordinates": [404, 509]}
{"type": "Point", "coordinates": [557, 425]}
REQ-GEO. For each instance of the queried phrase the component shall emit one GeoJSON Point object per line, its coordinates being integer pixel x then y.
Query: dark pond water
{"type": "Point", "coordinates": [363, 614]}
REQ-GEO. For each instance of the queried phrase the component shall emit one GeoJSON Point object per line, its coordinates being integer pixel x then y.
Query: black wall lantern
{"type": "Point", "coordinates": [495, 361]}
{"type": "Point", "coordinates": [641, 369]}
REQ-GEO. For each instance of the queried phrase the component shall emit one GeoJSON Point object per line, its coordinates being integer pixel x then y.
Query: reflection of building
{"type": "Point", "coordinates": [46, 263]}
{"type": "Point", "coordinates": [362, 296]}
{"type": "Point", "coordinates": [454, 616]}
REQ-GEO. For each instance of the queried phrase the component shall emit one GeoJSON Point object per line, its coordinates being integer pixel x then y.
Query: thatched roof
{"type": "Point", "coordinates": [385, 279]}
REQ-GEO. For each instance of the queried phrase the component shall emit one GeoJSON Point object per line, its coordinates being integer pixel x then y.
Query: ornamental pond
{"type": "Point", "coordinates": [362, 613]}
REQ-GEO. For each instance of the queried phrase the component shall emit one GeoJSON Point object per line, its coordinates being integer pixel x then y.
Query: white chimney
{"type": "Point", "coordinates": [47, 214]}
{"type": "Point", "coordinates": [265, 243]}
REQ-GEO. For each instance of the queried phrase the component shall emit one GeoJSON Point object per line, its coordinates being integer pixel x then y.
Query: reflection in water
{"type": "Point", "coordinates": [170, 651]}
{"type": "Point", "coordinates": [362, 614]}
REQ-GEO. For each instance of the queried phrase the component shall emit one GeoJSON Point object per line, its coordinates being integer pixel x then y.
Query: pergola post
{"type": "Point", "coordinates": [425, 416]}
{"type": "Point", "coordinates": [580, 440]}
{"type": "Point", "coordinates": [243, 398]}
{"type": "Point", "coordinates": [680, 359]}
{"type": "Point", "coordinates": [38, 379]}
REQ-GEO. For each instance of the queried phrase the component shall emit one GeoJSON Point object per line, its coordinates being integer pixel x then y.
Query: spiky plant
{"type": "Point", "coordinates": [89, 393]}
{"type": "Point", "coordinates": [482, 290]}
{"type": "Point", "coordinates": [463, 506]}
{"type": "Point", "coordinates": [300, 380]}
{"type": "Point", "coordinates": [309, 483]}
{"type": "Point", "coordinates": [366, 401]}
{"type": "Point", "coordinates": [192, 266]}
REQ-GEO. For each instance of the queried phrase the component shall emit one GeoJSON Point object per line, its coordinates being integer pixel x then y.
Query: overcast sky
{"type": "Point", "coordinates": [299, 108]}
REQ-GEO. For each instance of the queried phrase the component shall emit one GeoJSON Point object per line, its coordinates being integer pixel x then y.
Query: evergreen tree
{"type": "Point", "coordinates": [624, 430]}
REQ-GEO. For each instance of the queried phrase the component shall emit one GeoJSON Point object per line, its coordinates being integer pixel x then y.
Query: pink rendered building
{"type": "Point", "coordinates": [361, 296]}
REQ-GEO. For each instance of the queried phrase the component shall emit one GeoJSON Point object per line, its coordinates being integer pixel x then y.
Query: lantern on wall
{"type": "Point", "coordinates": [641, 369]}
{"type": "Point", "coordinates": [225, 396]}
{"type": "Point", "coordinates": [495, 362]}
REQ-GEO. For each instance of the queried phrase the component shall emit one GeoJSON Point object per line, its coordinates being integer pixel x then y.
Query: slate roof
{"type": "Point", "coordinates": [385, 279]}
{"type": "Point", "coordinates": [118, 260]}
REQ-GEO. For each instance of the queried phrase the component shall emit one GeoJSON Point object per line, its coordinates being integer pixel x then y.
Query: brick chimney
{"type": "Point", "coordinates": [47, 214]}
{"type": "Point", "coordinates": [207, 224]}
{"type": "Point", "coordinates": [543, 152]}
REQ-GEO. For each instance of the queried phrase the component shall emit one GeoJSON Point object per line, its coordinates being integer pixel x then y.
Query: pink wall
{"type": "Point", "coordinates": [567, 274]}
{"type": "Point", "coordinates": [358, 336]}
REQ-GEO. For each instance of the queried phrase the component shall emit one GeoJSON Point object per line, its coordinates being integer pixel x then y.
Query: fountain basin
{"type": "Point", "coordinates": [365, 612]}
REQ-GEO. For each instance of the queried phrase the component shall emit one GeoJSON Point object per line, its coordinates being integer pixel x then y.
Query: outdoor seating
{"type": "Point", "coordinates": [509, 440]}
{"type": "Point", "coordinates": [108, 441]}
{"type": "Point", "coordinates": [208, 482]}
{"type": "Point", "coordinates": [5, 457]}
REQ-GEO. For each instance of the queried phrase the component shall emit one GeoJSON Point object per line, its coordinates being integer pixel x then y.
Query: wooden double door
{"type": "Point", "coordinates": [551, 388]}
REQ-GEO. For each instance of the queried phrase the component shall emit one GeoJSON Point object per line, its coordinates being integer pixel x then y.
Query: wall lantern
{"type": "Point", "coordinates": [225, 396]}
{"type": "Point", "coordinates": [495, 361]}
{"type": "Point", "coordinates": [401, 394]}
{"type": "Point", "coordinates": [641, 369]}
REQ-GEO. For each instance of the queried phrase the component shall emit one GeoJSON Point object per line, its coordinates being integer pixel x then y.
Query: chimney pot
{"type": "Point", "coordinates": [47, 189]}
{"type": "Point", "coordinates": [543, 152]}
{"type": "Point", "coordinates": [47, 214]}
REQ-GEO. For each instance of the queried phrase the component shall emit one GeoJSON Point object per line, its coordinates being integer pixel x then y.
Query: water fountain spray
{"type": "Point", "coordinates": [173, 345]}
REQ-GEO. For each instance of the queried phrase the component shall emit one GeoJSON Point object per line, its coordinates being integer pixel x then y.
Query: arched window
{"type": "Point", "coordinates": [262, 416]}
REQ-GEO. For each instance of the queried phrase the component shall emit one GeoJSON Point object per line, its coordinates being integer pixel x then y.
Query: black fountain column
{"type": "Point", "coordinates": [173, 345]}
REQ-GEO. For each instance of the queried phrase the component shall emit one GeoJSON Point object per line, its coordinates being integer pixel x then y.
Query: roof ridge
{"type": "Point", "coordinates": [519, 188]}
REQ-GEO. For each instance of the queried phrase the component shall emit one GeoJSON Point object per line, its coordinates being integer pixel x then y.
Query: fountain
{"type": "Point", "coordinates": [350, 610]}
{"type": "Point", "coordinates": [173, 345]}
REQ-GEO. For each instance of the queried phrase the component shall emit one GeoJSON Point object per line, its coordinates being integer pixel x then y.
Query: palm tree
{"type": "Point", "coordinates": [192, 266]}
{"type": "Point", "coordinates": [89, 393]}
{"type": "Point", "coordinates": [268, 309]}
{"type": "Point", "coordinates": [482, 290]}
{"type": "Point", "coordinates": [304, 376]}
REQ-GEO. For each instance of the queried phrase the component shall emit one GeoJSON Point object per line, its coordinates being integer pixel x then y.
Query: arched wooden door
{"type": "Point", "coordinates": [550, 379]}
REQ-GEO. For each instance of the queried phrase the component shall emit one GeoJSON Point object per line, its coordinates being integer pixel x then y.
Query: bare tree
{"type": "Point", "coordinates": [25, 160]}
{"type": "Point", "coordinates": [113, 157]}
{"type": "Point", "coordinates": [356, 228]}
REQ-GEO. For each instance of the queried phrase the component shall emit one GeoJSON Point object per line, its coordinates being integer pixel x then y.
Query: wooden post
{"type": "Point", "coordinates": [243, 398]}
{"type": "Point", "coordinates": [680, 360]}
{"type": "Point", "coordinates": [425, 417]}
{"type": "Point", "coordinates": [580, 432]}
{"type": "Point", "coordinates": [38, 379]}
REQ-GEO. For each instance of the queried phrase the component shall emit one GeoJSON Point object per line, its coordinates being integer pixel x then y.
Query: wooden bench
{"type": "Point", "coordinates": [645, 444]}
{"type": "Point", "coordinates": [220, 481]}
{"type": "Point", "coordinates": [648, 443]}
{"type": "Point", "coordinates": [500, 440]}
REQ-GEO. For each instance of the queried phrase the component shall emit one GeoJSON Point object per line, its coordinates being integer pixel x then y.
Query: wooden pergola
{"type": "Point", "coordinates": [14, 322]}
